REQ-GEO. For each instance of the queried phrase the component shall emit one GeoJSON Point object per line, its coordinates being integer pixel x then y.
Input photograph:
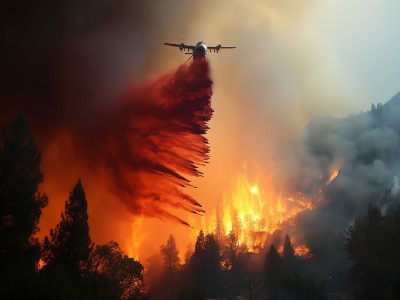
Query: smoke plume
{"type": "Point", "coordinates": [364, 148]}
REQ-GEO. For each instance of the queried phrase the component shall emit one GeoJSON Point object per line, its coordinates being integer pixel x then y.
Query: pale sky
{"type": "Point", "coordinates": [364, 38]}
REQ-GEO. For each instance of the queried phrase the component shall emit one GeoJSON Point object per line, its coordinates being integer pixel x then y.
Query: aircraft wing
{"type": "Point", "coordinates": [181, 46]}
{"type": "Point", "coordinates": [219, 47]}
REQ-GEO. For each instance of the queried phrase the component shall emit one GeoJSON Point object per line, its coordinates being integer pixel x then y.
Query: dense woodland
{"type": "Point", "coordinates": [68, 265]}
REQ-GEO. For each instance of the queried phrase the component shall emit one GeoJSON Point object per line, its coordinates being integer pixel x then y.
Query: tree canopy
{"type": "Point", "coordinates": [373, 246]}
{"type": "Point", "coordinates": [115, 274]}
{"type": "Point", "coordinates": [21, 203]}
{"type": "Point", "coordinates": [171, 254]}
{"type": "Point", "coordinates": [70, 244]}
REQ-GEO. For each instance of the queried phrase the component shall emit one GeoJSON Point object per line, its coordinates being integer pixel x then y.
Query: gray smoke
{"type": "Point", "coordinates": [366, 149]}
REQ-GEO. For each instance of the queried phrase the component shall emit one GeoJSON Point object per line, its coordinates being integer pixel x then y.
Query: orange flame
{"type": "Point", "coordinates": [299, 249]}
{"type": "Point", "coordinates": [333, 175]}
{"type": "Point", "coordinates": [253, 210]}
{"type": "Point", "coordinates": [40, 265]}
{"type": "Point", "coordinates": [136, 239]}
{"type": "Point", "coordinates": [303, 250]}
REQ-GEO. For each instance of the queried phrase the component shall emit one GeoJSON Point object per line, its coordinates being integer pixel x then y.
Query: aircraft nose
{"type": "Point", "coordinates": [202, 50]}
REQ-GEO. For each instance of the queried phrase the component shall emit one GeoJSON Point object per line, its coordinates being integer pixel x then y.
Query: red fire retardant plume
{"type": "Point", "coordinates": [146, 143]}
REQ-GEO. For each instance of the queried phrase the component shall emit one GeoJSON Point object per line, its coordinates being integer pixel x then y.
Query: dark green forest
{"type": "Point", "coordinates": [68, 265]}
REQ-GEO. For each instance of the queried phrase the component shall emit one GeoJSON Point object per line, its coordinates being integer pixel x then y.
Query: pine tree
{"type": "Point", "coordinates": [288, 255]}
{"type": "Point", "coordinates": [197, 266]}
{"type": "Point", "coordinates": [70, 244]}
{"type": "Point", "coordinates": [171, 254]}
{"type": "Point", "coordinates": [373, 247]}
{"type": "Point", "coordinates": [196, 260]}
{"type": "Point", "coordinates": [21, 203]}
{"type": "Point", "coordinates": [212, 262]}
{"type": "Point", "coordinates": [171, 261]}
{"type": "Point", "coordinates": [273, 271]}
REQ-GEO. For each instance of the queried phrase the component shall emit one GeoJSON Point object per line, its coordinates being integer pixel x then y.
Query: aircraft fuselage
{"type": "Point", "coordinates": [200, 51]}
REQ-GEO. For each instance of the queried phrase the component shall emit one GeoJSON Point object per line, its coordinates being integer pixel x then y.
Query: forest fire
{"type": "Point", "coordinates": [254, 210]}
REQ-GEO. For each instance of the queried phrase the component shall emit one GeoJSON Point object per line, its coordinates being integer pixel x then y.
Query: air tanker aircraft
{"type": "Point", "coordinates": [199, 51]}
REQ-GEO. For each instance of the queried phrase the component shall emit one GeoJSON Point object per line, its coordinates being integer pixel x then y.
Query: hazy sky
{"type": "Point", "coordinates": [362, 37]}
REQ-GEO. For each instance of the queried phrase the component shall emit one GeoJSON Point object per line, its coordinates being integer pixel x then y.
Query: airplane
{"type": "Point", "coordinates": [199, 51]}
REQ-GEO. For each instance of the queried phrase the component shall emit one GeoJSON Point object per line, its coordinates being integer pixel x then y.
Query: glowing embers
{"type": "Point", "coordinates": [253, 210]}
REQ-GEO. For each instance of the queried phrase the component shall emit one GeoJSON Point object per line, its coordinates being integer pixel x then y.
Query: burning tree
{"type": "Point", "coordinates": [230, 250]}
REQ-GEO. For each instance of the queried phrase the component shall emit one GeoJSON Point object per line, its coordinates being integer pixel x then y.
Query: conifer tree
{"type": "Point", "coordinates": [288, 255]}
{"type": "Point", "coordinates": [196, 260]}
{"type": "Point", "coordinates": [21, 203]}
{"type": "Point", "coordinates": [288, 250]}
{"type": "Point", "coordinates": [205, 264]}
{"type": "Point", "coordinates": [373, 247]}
{"type": "Point", "coordinates": [212, 261]}
{"type": "Point", "coordinates": [273, 271]}
{"type": "Point", "coordinates": [171, 254]}
{"type": "Point", "coordinates": [70, 244]}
